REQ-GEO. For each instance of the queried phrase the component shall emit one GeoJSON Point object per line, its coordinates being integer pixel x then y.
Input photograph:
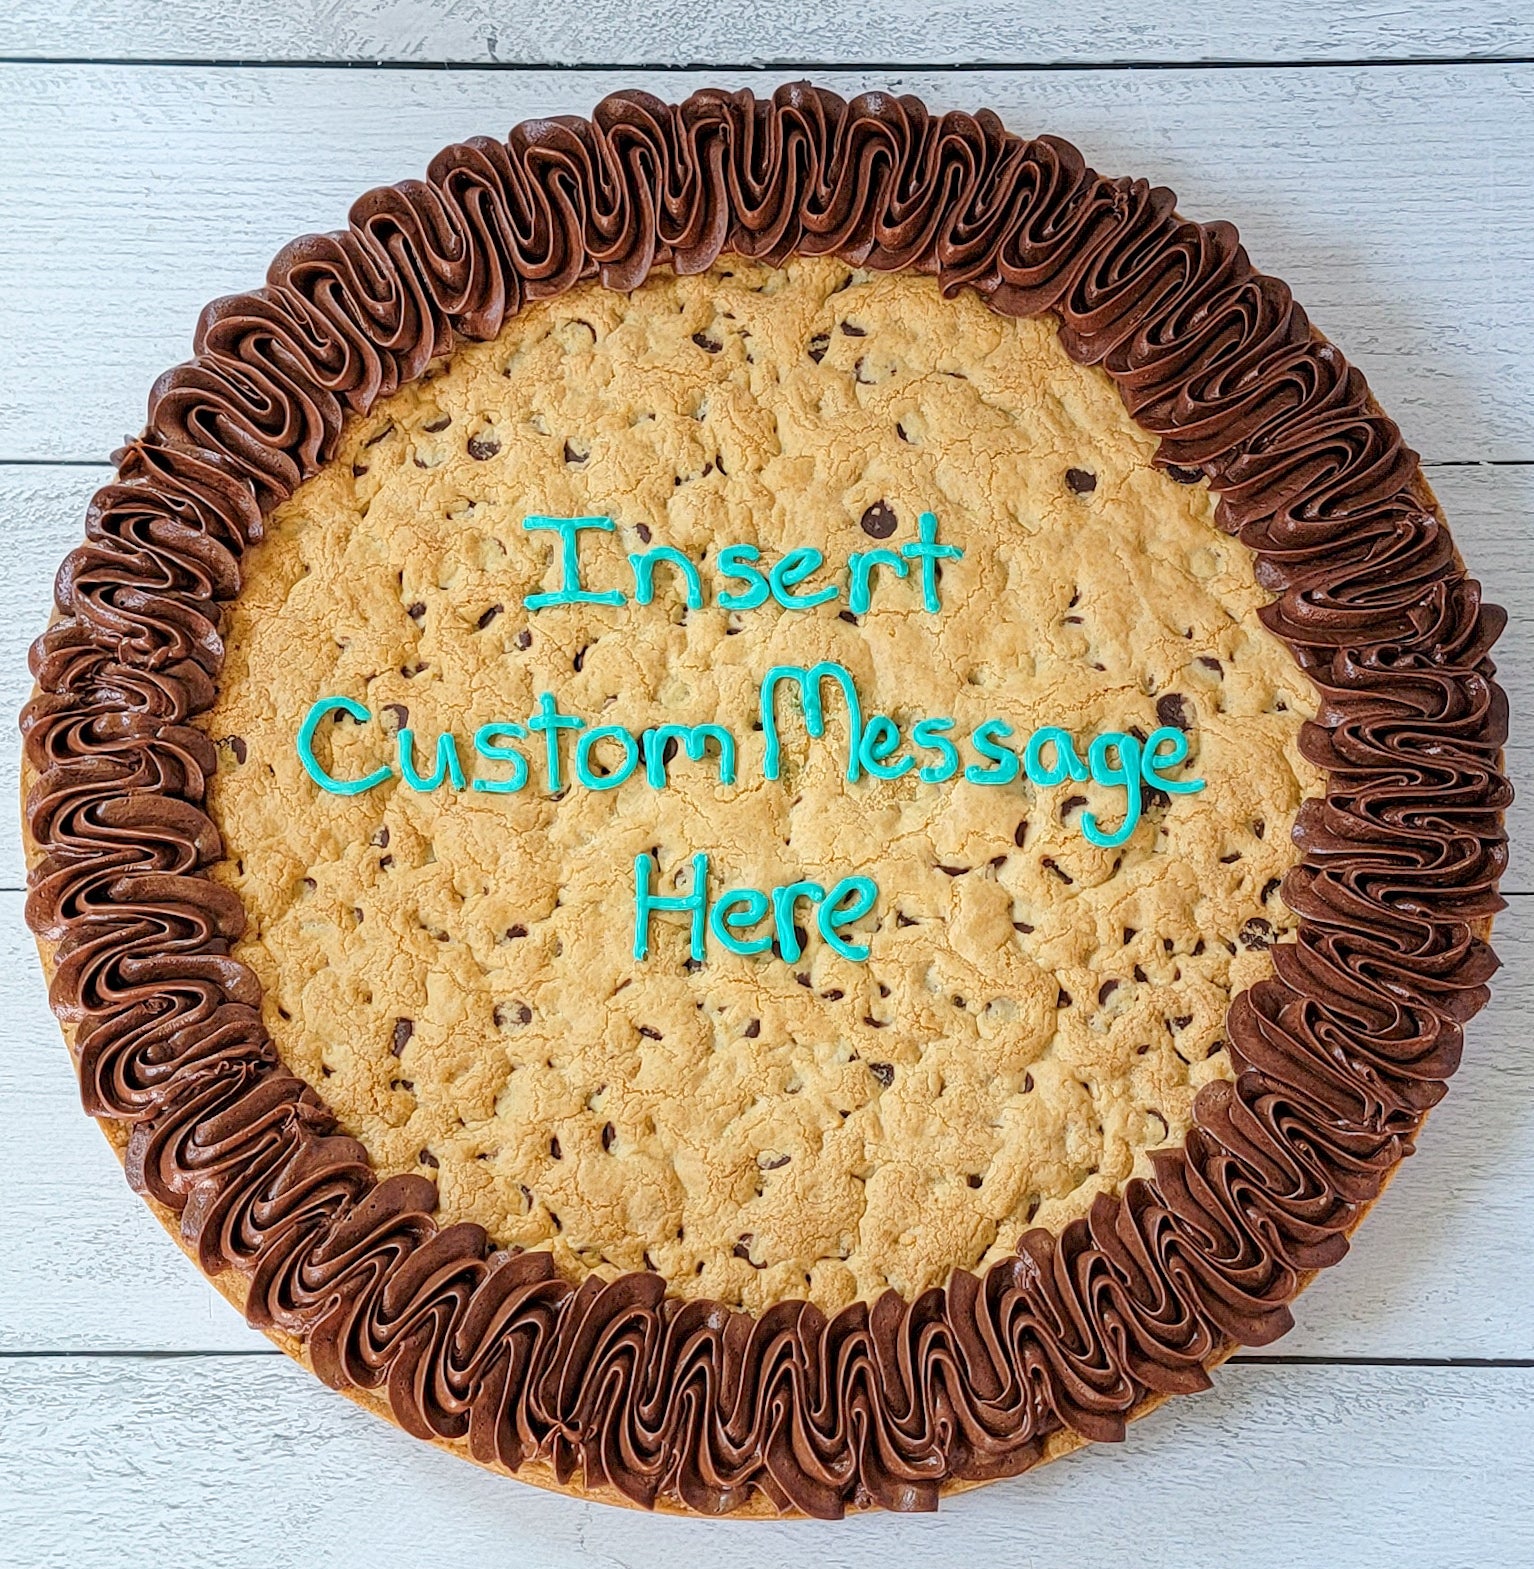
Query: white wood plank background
{"type": "Point", "coordinates": [682, 32]}
{"type": "Point", "coordinates": [140, 1421]}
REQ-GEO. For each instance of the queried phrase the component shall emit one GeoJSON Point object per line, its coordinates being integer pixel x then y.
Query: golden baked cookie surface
{"type": "Point", "coordinates": [453, 970]}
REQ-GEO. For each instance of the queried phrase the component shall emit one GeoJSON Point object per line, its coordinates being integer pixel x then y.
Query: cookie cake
{"type": "Point", "coordinates": [764, 805]}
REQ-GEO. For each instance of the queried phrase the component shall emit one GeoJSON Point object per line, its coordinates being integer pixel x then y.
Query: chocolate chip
{"type": "Point", "coordinates": [524, 638]}
{"type": "Point", "coordinates": [953, 871]}
{"type": "Point", "coordinates": [742, 1249]}
{"type": "Point", "coordinates": [1209, 662]}
{"type": "Point", "coordinates": [403, 1030]}
{"type": "Point", "coordinates": [772, 1162]}
{"type": "Point", "coordinates": [1140, 975]}
{"type": "Point", "coordinates": [1023, 927]}
{"type": "Point", "coordinates": [1081, 481]}
{"type": "Point", "coordinates": [878, 522]}
{"type": "Point", "coordinates": [902, 919]}
{"type": "Point", "coordinates": [850, 331]}
{"type": "Point", "coordinates": [1070, 804]}
{"type": "Point", "coordinates": [1049, 865]}
{"type": "Point", "coordinates": [1062, 998]}
{"type": "Point", "coordinates": [416, 611]}
{"type": "Point", "coordinates": [609, 1133]}
{"type": "Point", "coordinates": [974, 1179]}
{"type": "Point", "coordinates": [1172, 711]}
{"type": "Point", "coordinates": [574, 456]}
{"type": "Point", "coordinates": [554, 1149]}
{"type": "Point", "coordinates": [380, 838]}
{"type": "Point", "coordinates": [1270, 888]}
{"type": "Point", "coordinates": [1184, 476]}
{"type": "Point", "coordinates": [426, 1158]}
{"type": "Point", "coordinates": [643, 531]}
{"type": "Point", "coordinates": [1020, 833]}
{"type": "Point", "coordinates": [1157, 797]}
{"type": "Point", "coordinates": [489, 616]}
{"type": "Point", "coordinates": [1105, 991]}
{"type": "Point", "coordinates": [483, 446]}
{"type": "Point", "coordinates": [514, 932]}
{"type": "Point", "coordinates": [708, 344]}
{"type": "Point", "coordinates": [238, 747]}
{"type": "Point", "coordinates": [649, 1033]}
{"type": "Point", "coordinates": [753, 1029]}
{"type": "Point", "coordinates": [847, 616]}
{"type": "Point", "coordinates": [1257, 933]}
{"type": "Point", "coordinates": [399, 713]}
{"type": "Point", "coordinates": [884, 1072]}
{"type": "Point", "coordinates": [1181, 1022]}
{"type": "Point", "coordinates": [1259, 828]}
{"type": "Point", "coordinates": [438, 425]}
{"type": "Point", "coordinates": [818, 346]}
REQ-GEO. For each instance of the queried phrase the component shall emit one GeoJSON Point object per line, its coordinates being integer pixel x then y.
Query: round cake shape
{"type": "Point", "coordinates": [1334, 1058]}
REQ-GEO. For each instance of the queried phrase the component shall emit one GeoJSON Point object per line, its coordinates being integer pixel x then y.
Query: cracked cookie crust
{"type": "Point", "coordinates": [452, 971]}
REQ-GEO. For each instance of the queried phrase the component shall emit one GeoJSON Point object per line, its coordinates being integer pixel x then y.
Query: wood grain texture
{"type": "Point", "coordinates": [244, 1461]}
{"type": "Point", "coordinates": [1441, 1268]}
{"type": "Point", "coordinates": [679, 32]}
{"type": "Point", "coordinates": [135, 195]}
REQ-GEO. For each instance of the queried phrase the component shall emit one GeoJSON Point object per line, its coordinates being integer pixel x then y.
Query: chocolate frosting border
{"type": "Point", "coordinates": [1338, 1056]}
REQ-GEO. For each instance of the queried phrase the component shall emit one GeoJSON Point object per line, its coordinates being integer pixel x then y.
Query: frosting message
{"type": "Point", "coordinates": [550, 750]}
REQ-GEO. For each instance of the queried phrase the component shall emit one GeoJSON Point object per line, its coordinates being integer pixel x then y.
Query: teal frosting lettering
{"type": "Point", "coordinates": [784, 898]}
{"type": "Point", "coordinates": [1125, 772]}
{"type": "Point", "coordinates": [646, 902]}
{"type": "Point", "coordinates": [814, 711]}
{"type": "Point", "coordinates": [735, 564]}
{"type": "Point", "coordinates": [590, 739]}
{"type": "Point", "coordinates": [485, 746]}
{"type": "Point", "coordinates": [548, 721]}
{"type": "Point", "coordinates": [326, 781]}
{"type": "Point", "coordinates": [850, 900]}
{"type": "Point", "coordinates": [569, 591]}
{"type": "Point", "coordinates": [794, 568]}
{"type": "Point", "coordinates": [724, 923]}
{"type": "Point", "coordinates": [1067, 764]}
{"type": "Point", "coordinates": [880, 739]}
{"type": "Point", "coordinates": [694, 740]}
{"type": "Point", "coordinates": [1173, 739]}
{"type": "Point", "coordinates": [926, 550]}
{"type": "Point", "coordinates": [930, 734]}
{"type": "Point", "coordinates": [988, 741]}
{"type": "Point", "coordinates": [644, 563]}
{"type": "Point", "coordinates": [861, 564]}
{"type": "Point", "coordinates": [447, 765]}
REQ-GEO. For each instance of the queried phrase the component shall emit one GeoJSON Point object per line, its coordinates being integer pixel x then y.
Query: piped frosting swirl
{"type": "Point", "coordinates": [1338, 1056]}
